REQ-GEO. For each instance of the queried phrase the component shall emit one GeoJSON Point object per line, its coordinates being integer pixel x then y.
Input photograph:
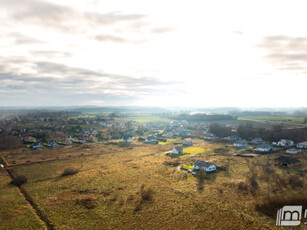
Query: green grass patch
{"type": "Point", "coordinates": [171, 141]}
{"type": "Point", "coordinates": [298, 120]}
{"type": "Point", "coordinates": [188, 167]}
{"type": "Point", "coordinates": [193, 150]}
{"type": "Point", "coordinates": [149, 119]}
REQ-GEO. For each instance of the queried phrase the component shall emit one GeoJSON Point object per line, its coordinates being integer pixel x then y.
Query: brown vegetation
{"type": "Point", "coordinates": [270, 204]}
{"type": "Point", "coordinates": [70, 171]}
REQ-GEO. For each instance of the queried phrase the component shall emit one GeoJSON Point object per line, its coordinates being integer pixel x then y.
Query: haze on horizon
{"type": "Point", "coordinates": [153, 53]}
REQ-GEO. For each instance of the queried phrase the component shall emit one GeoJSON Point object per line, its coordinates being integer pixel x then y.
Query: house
{"type": "Point", "coordinates": [30, 139]}
{"type": "Point", "coordinates": [51, 143]}
{"type": "Point", "coordinates": [36, 145]}
{"type": "Point", "coordinates": [264, 148]}
{"type": "Point", "coordinates": [151, 139]}
{"type": "Point", "coordinates": [168, 134]}
{"type": "Point", "coordinates": [126, 139]}
{"type": "Point", "coordinates": [286, 161]}
{"type": "Point", "coordinates": [177, 150]}
{"type": "Point", "coordinates": [206, 166]}
{"type": "Point", "coordinates": [67, 141]}
{"type": "Point", "coordinates": [186, 134]}
{"type": "Point", "coordinates": [285, 142]}
{"type": "Point", "coordinates": [257, 141]}
{"type": "Point", "coordinates": [209, 136]}
{"type": "Point", "coordinates": [80, 140]}
{"type": "Point", "coordinates": [302, 145]}
{"type": "Point", "coordinates": [293, 151]}
{"type": "Point", "coordinates": [91, 139]}
{"type": "Point", "coordinates": [233, 138]}
{"type": "Point", "coordinates": [240, 143]}
{"type": "Point", "coordinates": [187, 143]}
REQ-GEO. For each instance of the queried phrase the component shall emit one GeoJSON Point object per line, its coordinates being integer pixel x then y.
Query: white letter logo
{"type": "Point", "coordinates": [289, 215]}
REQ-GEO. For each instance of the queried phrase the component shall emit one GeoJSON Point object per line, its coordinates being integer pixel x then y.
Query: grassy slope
{"type": "Point", "coordinates": [113, 181]}
{"type": "Point", "coordinates": [15, 212]}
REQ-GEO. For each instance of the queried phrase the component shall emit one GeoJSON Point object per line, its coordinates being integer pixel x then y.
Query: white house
{"type": "Point", "coordinates": [36, 145]}
{"type": "Point", "coordinates": [285, 142]}
{"type": "Point", "coordinates": [240, 143]}
{"type": "Point", "coordinates": [293, 151]}
{"type": "Point", "coordinates": [302, 145]}
{"type": "Point", "coordinates": [151, 139]}
{"type": "Point", "coordinates": [51, 143]}
{"type": "Point", "coordinates": [257, 141]}
{"type": "Point", "coordinates": [187, 143]}
{"type": "Point", "coordinates": [126, 139]}
{"type": "Point", "coordinates": [209, 136]}
{"type": "Point", "coordinates": [206, 166]}
{"type": "Point", "coordinates": [177, 150]}
{"type": "Point", "coordinates": [264, 148]}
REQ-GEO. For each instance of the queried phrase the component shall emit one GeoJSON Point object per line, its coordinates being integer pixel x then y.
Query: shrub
{"type": "Point", "coordinates": [70, 171]}
{"type": "Point", "coordinates": [171, 163]}
{"type": "Point", "coordinates": [242, 187]}
{"type": "Point", "coordinates": [146, 196]}
{"type": "Point", "coordinates": [295, 181]}
{"type": "Point", "coordinates": [88, 203]}
{"type": "Point", "coordinates": [19, 180]}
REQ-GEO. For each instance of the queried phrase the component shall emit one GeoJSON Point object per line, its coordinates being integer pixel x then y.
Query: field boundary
{"type": "Point", "coordinates": [30, 201]}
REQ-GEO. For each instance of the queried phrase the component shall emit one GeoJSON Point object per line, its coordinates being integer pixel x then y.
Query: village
{"type": "Point", "coordinates": [132, 164]}
{"type": "Point", "coordinates": [71, 130]}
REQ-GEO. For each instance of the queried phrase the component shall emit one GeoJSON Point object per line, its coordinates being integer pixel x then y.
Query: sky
{"type": "Point", "coordinates": [153, 53]}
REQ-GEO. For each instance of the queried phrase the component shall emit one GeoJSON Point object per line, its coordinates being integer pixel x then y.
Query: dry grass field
{"type": "Point", "coordinates": [15, 212]}
{"type": "Point", "coordinates": [138, 187]}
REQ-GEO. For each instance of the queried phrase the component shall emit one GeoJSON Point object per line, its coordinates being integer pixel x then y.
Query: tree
{"type": "Point", "coordinates": [9, 142]}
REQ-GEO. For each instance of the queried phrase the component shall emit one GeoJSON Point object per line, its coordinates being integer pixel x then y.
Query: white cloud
{"type": "Point", "coordinates": [218, 53]}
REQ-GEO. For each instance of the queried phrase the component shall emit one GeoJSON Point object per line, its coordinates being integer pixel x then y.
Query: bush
{"type": "Point", "coordinates": [146, 194]}
{"type": "Point", "coordinates": [88, 203]}
{"type": "Point", "coordinates": [295, 181]}
{"type": "Point", "coordinates": [171, 163]}
{"type": "Point", "coordinates": [242, 187]}
{"type": "Point", "coordinates": [19, 180]}
{"type": "Point", "coordinates": [70, 171]}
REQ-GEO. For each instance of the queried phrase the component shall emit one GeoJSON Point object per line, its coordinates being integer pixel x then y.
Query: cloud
{"type": "Point", "coordinates": [287, 53]}
{"type": "Point", "coordinates": [50, 53]}
{"type": "Point", "coordinates": [21, 39]}
{"type": "Point", "coordinates": [238, 32]}
{"type": "Point", "coordinates": [47, 14]}
{"type": "Point", "coordinates": [112, 18]}
{"type": "Point", "coordinates": [54, 80]}
{"type": "Point", "coordinates": [40, 12]}
{"type": "Point", "coordinates": [162, 30]}
{"type": "Point", "coordinates": [117, 39]}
